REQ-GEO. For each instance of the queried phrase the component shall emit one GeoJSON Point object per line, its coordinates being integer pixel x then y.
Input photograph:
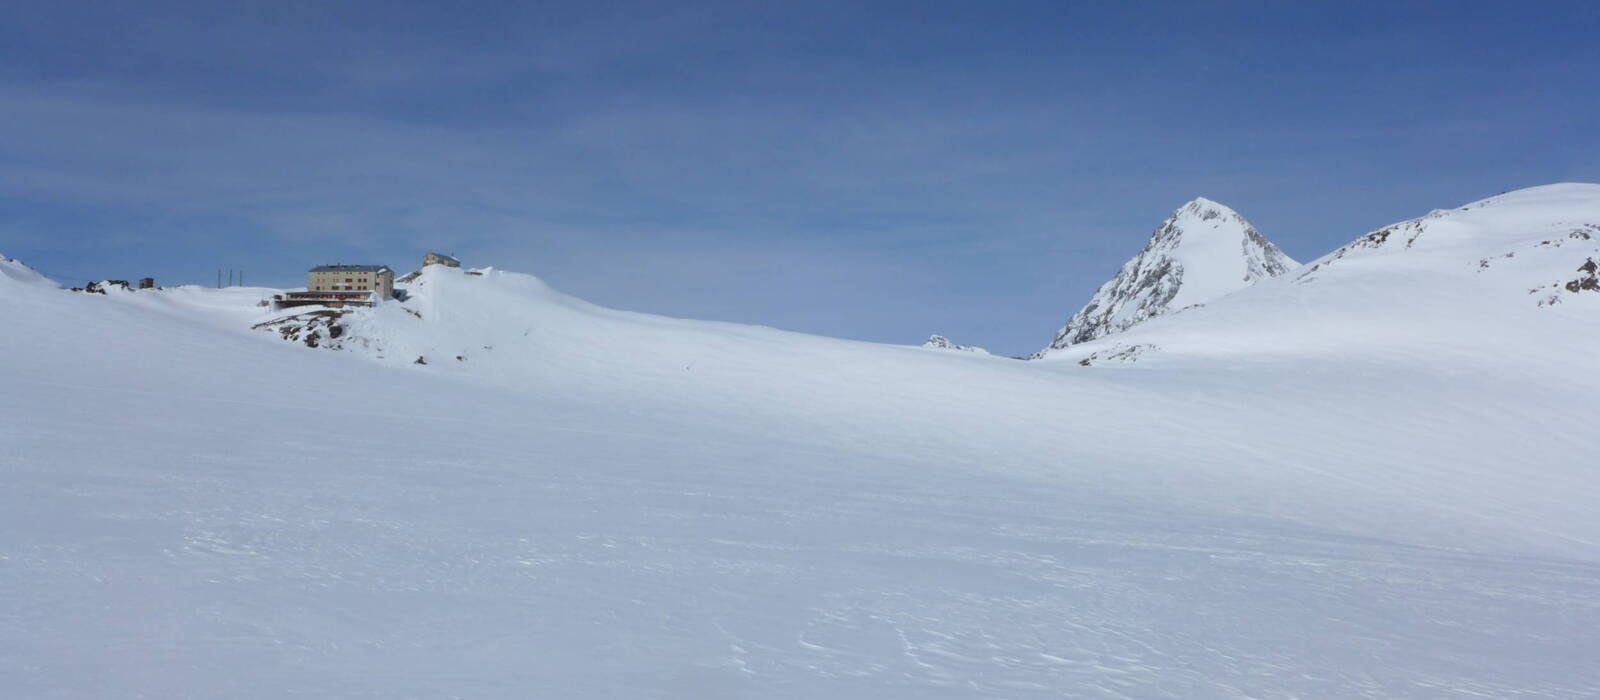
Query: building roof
{"type": "Point", "coordinates": [442, 256]}
{"type": "Point", "coordinates": [330, 293]}
{"type": "Point", "coordinates": [350, 268]}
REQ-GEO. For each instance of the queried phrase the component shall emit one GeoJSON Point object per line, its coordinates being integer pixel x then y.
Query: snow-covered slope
{"type": "Point", "coordinates": [13, 270]}
{"type": "Point", "coordinates": [1390, 496]}
{"type": "Point", "coordinates": [1203, 251]}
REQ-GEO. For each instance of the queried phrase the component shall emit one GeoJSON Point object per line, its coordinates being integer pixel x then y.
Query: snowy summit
{"type": "Point", "coordinates": [1203, 251]}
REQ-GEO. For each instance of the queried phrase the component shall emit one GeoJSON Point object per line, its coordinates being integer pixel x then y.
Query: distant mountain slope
{"type": "Point", "coordinates": [1488, 280]}
{"type": "Point", "coordinates": [1555, 229]}
{"type": "Point", "coordinates": [1203, 251]}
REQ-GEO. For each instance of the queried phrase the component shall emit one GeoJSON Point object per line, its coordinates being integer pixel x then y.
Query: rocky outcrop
{"type": "Point", "coordinates": [939, 342]}
{"type": "Point", "coordinates": [314, 328]}
{"type": "Point", "coordinates": [101, 286]}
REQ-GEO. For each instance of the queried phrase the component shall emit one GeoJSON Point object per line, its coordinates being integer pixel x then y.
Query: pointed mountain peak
{"type": "Point", "coordinates": [1207, 210]}
{"type": "Point", "coordinates": [1203, 251]}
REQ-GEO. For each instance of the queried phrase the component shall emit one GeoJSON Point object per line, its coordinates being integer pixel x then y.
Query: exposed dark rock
{"type": "Point", "coordinates": [316, 329]}
{"type": "Point", "coordinates": [101, 286]}
{"type": "Point", "coordinates": [1589, 281]}
{"type": "Point", "coordinates": [1122, 354]}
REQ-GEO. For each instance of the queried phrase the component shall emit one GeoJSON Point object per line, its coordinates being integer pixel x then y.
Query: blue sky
{"type": "Point", "coordinates": [879, 171]}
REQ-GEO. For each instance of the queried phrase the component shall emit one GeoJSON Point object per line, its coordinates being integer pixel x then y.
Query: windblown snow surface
{"type": "Point", "coordinates": [1374, 477]}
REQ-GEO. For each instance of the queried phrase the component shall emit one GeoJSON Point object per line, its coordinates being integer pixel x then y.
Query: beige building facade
{"type": "Point", "coordinates": [352, 278]}
{"type": "Point", "coordinates": [440, 259]}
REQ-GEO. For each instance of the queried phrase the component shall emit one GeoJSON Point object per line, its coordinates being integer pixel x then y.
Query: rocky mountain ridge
{"type": "Point", "coordinates": [1203, 251]}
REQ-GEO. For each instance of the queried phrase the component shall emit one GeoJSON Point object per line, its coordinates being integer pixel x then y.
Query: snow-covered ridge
{"type": "Point", "coordinates": [1550, 226]}
{"type": "Point", "coordinates": [1203, 251]}
{"type": "Point", "coordinates": [14, 270]}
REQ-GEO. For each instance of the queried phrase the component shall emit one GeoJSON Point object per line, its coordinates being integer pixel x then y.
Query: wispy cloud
{"type": "Point", "coordinates": [863, 170]}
